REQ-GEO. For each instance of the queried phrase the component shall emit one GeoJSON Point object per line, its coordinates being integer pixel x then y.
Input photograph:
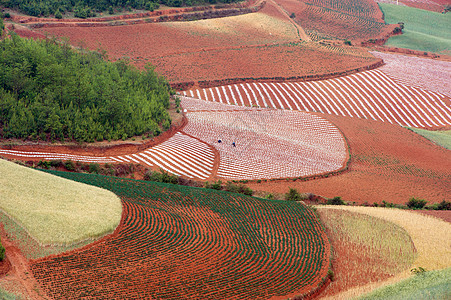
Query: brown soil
{"type": "Point", "coordinates": [104, 148]}
{"type": "Point", "coordinates": [15, 271]}
{"type": "Point", "coordinates": [388, 163]}
{"type": "Point", "coordinates": [441, 214]}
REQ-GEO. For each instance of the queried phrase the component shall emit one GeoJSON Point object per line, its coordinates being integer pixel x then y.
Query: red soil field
{"type": "Point", "coordinates": [441, 214]}
{"type": "Point", "coordinates": [180, 243]}
{"type": "Point", "coordinates": [196, 52]}
{"type": "Point", "coordinates": [388, 163]}
{"type": "Point", "coordinates": [356, 20]}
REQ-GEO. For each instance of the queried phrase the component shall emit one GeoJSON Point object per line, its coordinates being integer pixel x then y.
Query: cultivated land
{"type": "Point", "coordinates": [182, 243]}
{"type": "Point", "coordinates": [265, 44]}
{"type": "Point", "coordinates": [300, 105]}
{"type": "Point", "coordinates": [423, 30]}
{"type": "Point", "coordinates": [429, 235]}
{"type": "Point", "coordinates": [54, 210]}
{"type": "Point", "coordinates": [365, 249]}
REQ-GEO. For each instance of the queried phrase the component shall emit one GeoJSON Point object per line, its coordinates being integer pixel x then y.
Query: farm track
{"type": "Point", "coordinates": [367, 95]}
{"type": "Point", "coordinates": [181, 243]}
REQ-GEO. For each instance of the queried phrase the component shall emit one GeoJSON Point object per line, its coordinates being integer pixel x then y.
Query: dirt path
{"type": "Point", "coordinates": [20, 277]}
{"type": "Point", "coordinates": [301, 33]}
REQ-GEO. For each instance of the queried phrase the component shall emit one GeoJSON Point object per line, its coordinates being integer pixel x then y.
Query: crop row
{"type": "Point", "coordinates": [181, 155]}
{"type": "Point", "coordinates": [368, 95]}
{"type": "Point", "coordinates": [429, 74]}
{"type": "Point", "coordinates": [184, 243]}
{"type": "Point", "coordinates": [263, 143]}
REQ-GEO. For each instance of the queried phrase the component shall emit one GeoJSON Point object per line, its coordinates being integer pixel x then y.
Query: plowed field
{"type": "Point", "coordinates": [181, 155]}
{"type": "Point", "coordinates": [367, 95]}
{"type": "Point", "coordinates": [264, 143]}
{"type": "Point", "coordinates": [388, 163]}
{"type": "Point", "coordinates": [184, 243]}
{"type": "Point", "coordinates": [263, 44]}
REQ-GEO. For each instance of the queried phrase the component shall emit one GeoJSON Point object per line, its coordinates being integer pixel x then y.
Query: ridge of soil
{"type": "Point", "coordinates": [96, 149]}
{"type": "Point", "coordinates": [176, 14]}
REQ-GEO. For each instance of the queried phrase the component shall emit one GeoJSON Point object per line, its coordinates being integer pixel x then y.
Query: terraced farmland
{"type": "Point", "coordinates": [181, 155]}
{"type": "Point", "coordinates": [268, 143]}
{"type": "Point", "coordinates": [184, 243]}
{"type": "Point", "coordinates": [367, 95]}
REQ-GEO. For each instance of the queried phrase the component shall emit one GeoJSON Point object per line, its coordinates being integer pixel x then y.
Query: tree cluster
{"type": "Point", "coordinates": [49, 91]}
{"type": "Point", "coordinates": [89, 8]}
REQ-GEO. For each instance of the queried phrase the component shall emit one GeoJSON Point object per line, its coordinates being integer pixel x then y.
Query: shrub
{"type": "Point", "coordinates": [269, 196]}
{"type": "Point", "coordinates": [293, 195]}
{"type": "Point", "coordinates": [216, 185]}
{"type": "Point", "coordinates": [43, 164]}
{"type": "Point", "coordinates": [331, 275]}
{"type": "Point", "coordinates": [94, 168]}
{"type": "Point", "coordinates": [293, 15]}
{"type": "Point", "coordinates": [416, 203]}
{"type": "Point", "coordinates": [56, 163]}
{"type": "Point", "coordinates": [162, 176]}
{"type": "Point", "coordinates": [238, 188]}
{"type": "Point", "coordinates": [2, 252]}
{"type": "Point", "coordinates": [347, 42]}
{"type": "Point", "coordinates": [418, 271]}
{"type": "Point", "coordinates": [444, 205]}
{"type": "Point", "coordinates": [335, 201]}
{"type": "Point", "coordinates": [58, 14]}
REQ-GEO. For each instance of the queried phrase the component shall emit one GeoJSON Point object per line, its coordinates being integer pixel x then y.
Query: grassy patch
{"type": "Point", "coordinates": [54, 210]}
{"type": "Point", "coordinates": [442, 138]}
{"type": "Point", "coordinates": [423, 30]}
{"type": "Point", "coordinates": [429, 285]}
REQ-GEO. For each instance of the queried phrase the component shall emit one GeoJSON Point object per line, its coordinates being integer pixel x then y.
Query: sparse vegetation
{"type": "Point", "coordinates": [293, 195]}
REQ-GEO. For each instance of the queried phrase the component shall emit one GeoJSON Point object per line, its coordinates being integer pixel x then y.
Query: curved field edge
{"type": "Point", "coordinates": [442, 138]}
{"type": "Point", "coordinates": [428, 285]}
{"type": "Point", "coordinates": [181, 242]}
{"type": "Point", "coordinates": [365, 249]}
{"type": "Point", "coordinates": [423, 30]}
{"type": "Point", "coordinates": [430, 236]}
{"type": "Point", "coordinates": [53, 210]}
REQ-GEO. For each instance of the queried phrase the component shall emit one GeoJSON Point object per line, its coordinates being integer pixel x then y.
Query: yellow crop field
{"type": "Point", "coordinates": [53, 210]}
{"type": "Point", "coordinates": [431, 237]}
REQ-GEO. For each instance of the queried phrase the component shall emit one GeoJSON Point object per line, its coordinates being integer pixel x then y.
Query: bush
{"type": "Point", "coordinates": [335, 201]}
{"type": "Point", "coordinates": [216, 185]}
{"type": "Point", "coordinates": [2, 252]}
{"type": "Point", "coordinates": [416, 203]}
{"type": "Point", "coordinates": [238, 188]}
{"type": "Point", "coordinates": [269, 196]}
{"type": "Point", "coordinates": [94, 168]}
{"type": "Point", "coordinates": [292, 15]}
{"type": "Point", "coordinates": [444, 205]}
{"type": "Point", "coordinates": [58, 14]}
{"type": "Point", "coordinates": [293, 195]}
{"type": "Point", "coordinates": [162, 176]}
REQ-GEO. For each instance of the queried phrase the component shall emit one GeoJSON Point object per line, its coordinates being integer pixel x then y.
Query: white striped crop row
{"type": "Point", "coordinates": [429, 74]}
{"type": "Point", "coordinates": [181, 155]}
{"type": "Point", "coordinates": [369, 95]}
{"type": "Point", "coordinates": [269, 143]}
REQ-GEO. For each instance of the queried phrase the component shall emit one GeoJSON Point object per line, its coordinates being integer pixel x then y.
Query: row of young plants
{"type": "Point", "coordinates": [181, 242]}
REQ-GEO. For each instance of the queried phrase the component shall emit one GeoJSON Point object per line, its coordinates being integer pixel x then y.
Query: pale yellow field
{"type": "Point", "coordinates": [53, 210]}
{"type": "Point", "coordinates": [260, 27]}
{"type": "Point", "coordinates": [431, 237]}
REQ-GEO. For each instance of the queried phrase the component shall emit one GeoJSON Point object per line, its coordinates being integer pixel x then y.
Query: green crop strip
{"type": "Point", "coordinates": [179, 242]}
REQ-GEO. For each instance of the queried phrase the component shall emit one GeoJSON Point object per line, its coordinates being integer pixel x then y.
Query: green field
{"type": "Point", "coordinates": [442, 138]}
{"type": "Point", "coordinates": [429, 285]}
{"type": "Point", "coordinates": [423, 30]}
{"type": "Point", "coordinates": [178, 242]}
{"type": "Point", "coordinates": [54, 210]}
